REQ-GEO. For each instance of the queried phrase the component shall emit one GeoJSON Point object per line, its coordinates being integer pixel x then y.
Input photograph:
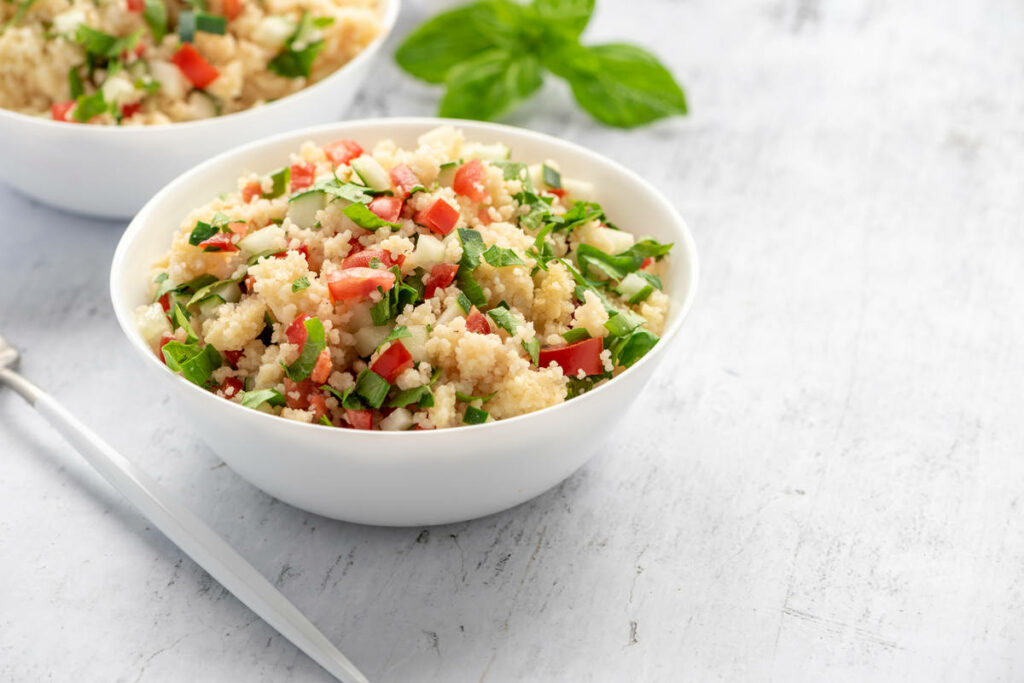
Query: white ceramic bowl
{"type": "Point", "coordinates": [416, 477]}
{"type": "Point", "coordinates": [110, 171]}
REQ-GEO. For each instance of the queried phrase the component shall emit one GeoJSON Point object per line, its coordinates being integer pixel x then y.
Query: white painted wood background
{"type": "Point", "coordinates": [825, 483]}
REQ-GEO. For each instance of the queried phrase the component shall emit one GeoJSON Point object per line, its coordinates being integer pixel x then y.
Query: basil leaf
{"type": "Point", "coordinates": [472, 247]}
{"type": "Point", "coordinates": [75, 83]}
{"type": "Point", "coordinates": [315, 343]}
{"type": "Point", "coordinates": [88, 106]}
{"type": "Point", "coordinates": [500, 257]}
{"type": "Point", "coordinates": [532, 348]}
{"type": "Point", "coordinates": [179, 318]}
{"type": "Point", "coordinates": [195, 364]}
{"type": "Point", "coordinates": [291, 63]}
{"type": "Point", "coordinates": [652, 279]}
{"type": "Point", "coordinates": [490, 84]}
{"type": "Point", "coordinates": [95, 42]}
{"type": "Point", "coordinates": [325, 421]}
{"type": "Point", "coordinates": [572, 16]}
{"type": "Point", "coordinates": [589, 256]}
{"type": "Point", "coordinates": [575, 335]}
{"type": "Point", "coordinates": [400, 332]}
{"type": "Point", "coordinates": [454, 37]}
{"type": "Point", "coordinates": [466, 398]}
{"type": "Point", "coordinates": [622, 323]}
{"type": "Point", "coordinates": [475, 416]}
{"type": "Point", "coordinates": [619, 84]}
{"type": "Point", "coordinates": [254, 399]}
{"type": "Point", "coordinates": [155, 14]}
{"type": "Point", "coordinates": [372, 388]}
{"type": "Point", "coordinates": [347, 400]}
{"type": "Point", "coordinates": [578, 214]}
{"type": "Point", "coordinates": [348, 191]}
{"type": "Point", "coordinates": [504, 319]}
{"type": "Point", "coordinates": [300, 283]}
{"type": "Point", "coordinates": [366, 219]}
{"type": "Point", "coordinates": [202, 232]}
{"type": "Point", "coordinates": [634, 347]}
{"type": "Point", "coordinates": [422, 396]}
{"type": "Point", "coordinates": [281, 179]}
{"type": "Point", "coordinates": [552, 178]}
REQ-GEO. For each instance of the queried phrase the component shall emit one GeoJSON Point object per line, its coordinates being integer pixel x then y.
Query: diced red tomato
{"type": "Point", "coordinates": [322, 369]}
{"type": "Point", "coordinates": [557, 191]}
{"type": "Point", "coordinates": [440, 217]}
{"type": "Point", "coordinates": [130, 110]}
{"type": "Point", "coordinates": [361, 259]}
{"type": "Point", "coordinates": [404, 179]}
{"type": "Point", "coordinates": [231, 387]}
{"type": "Point", "coordinates": [232, 8]}
{"type": "Point", "coordinates": [238, 227]}
{"type": "Point", "coordinates": [387, 208]}
{"type": "Point", "coordinates": [296, 332]}
{"type": "Point", "coordinates": [477, 322]}
{"type": "Point", "coordinates": [360, 419]}
{"type": "Point", "coordinates": [302, 175]}
{"type": "Point", "coordinates": [194, 66]}
{"type": "Point", "coordinates": [59, 111]}
{"type": "Point", "coordinates": [469, 181]}
{"type": "Point", "coordinates": [484, 215]}
{"type": "Point", "coordinates": [219, 242]}
{"type": "Point", "coordinates": [136, 5]}
{"type": "Point", "coordinates": [165, 302]}
{"type": "Point", "coordinates": [164, 338]}
{"type": "Point", "coordinates": [251, 191]}
{"type": "Point", "coordinates": [647, 262]}
{"type": "Point", "coordinates": [393, 362]}
{"type": "Point", "coordinates": [318, 404]}
{"type": "Point", "coordinates": [440, 276]}
{"type": "Point", "coordinates": [233, 357]}
{"type": "Point", "coordinates": [342, 151]}
{"type": "Point", "coordinates": [297, 394]}
{"type": "Point", "coordinates": [582, 355]}
{"type": "Point", "coordinates": [250, 283]}
{"type": "Point", "coordinates": [134, 53]}
{"type": "Point", "coordinates": [358, 283]}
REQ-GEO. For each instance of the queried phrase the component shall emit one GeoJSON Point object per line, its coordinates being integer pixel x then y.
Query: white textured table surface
{"type": "Point", "coordinates": [826, 483]}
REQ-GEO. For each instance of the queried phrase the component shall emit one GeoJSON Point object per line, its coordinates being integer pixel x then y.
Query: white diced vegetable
{"type": "Point", "coordinates": [619, 239]}
{"type": "Point", "coordinates": [202, 105]}
{"type": "Point", "coordinates": [68, 22]}
{"type": "Point", "coordinates": [634, 288]}
{"type": "Point", "coordinates": [118, 89]}
{"type": "Point", "coordinates": [398, 421]}
{"type": "Point", "coordinates": [428, 253]}
{"type": "Point", "coordinates": [416, 343]}
{"type": "Point", "coordinates": [172, 82]}
{"type": "Point", "coordinates": [580, 190]}
{"type": "Point", "coordinates": [369, 337]}
{"type": "Point", "coordinates": [272, 32]}
{"type": "Point", "coordinates": [152, 324]}
{"type": "Point", "coordinates": [495, 152]}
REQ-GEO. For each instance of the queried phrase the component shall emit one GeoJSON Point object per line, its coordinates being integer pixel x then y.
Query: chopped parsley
{"type": "Point", "coordinates": [504, 319]}
{"type": "Point", "coordinates": [475, 416]}
{"type": "Point", "coordinates": [254, 399]}
{"type": "Point", "coordinates": [372, 388]}
{"type": "Point", "coordinates": [300, 283]}
{"type": "Point", "coordinates": [500, 257]}
{"type": "Point", "coordinates": [361, 215]}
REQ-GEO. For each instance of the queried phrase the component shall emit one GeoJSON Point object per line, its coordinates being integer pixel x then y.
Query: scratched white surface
{"type": "Point", "coordinates": [824, 484]}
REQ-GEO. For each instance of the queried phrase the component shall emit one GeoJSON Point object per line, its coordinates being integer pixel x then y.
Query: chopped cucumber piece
{"type": "Point", "coordinates": [302, 209]}
{"type": "Point", "coordinates": [620, 240]}
{"type": "Point", "coordinates": [371, 173]}
{"type": "Point", "coordinates": [398, 421]}
{"type": "Point", "coordinates": [428, 253]}
{"type": "Point", "coordinates": [446, 176]}
{"type": "Point", "coordinates": [580, 190]}
{"type": "Point", "coordinates": [210, 304]}
{"type": "Point", "coordinates": [370, 337]}
{"type": "Point", "coordinates": [268, 240]}
{"type": "Point", "coordinates": [634, 288]}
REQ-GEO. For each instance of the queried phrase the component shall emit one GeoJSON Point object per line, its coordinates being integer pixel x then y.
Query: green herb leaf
{"type": "Point", "coordinates": [179, 318]}
{"type": "Point", "coordinates": [19, 14]}
{"type": "Point", "coordinates": [532, 348]}
{"type": "Point", "coordinates": [466, 398]}
{"type": "Point", "coordinates": [552, 178]}
{"type": "Point", "coordinates": [422, 396]}
{"type": "Point", "coordinates": [88, 106]}
{"type": "Point", "coordinates": [475, 416]}
{"type": "Point", "coordinates": [575, 335]}
{"type": "Point", "coordinates": [454, 37]}
{"type": "Point", "coordinates": [366, 219]}
{"type": "Point", "coordinates": [570, 15]}
{"type": "Point", "coordinates": [300, 283]}
{"type": "Point", "coordinates": [634, 347]}
{"type": "Point", "coordinates": [194, 363]}
{"type": "Point", "coordinates": [400, 332]}
{"type": "Point", "coordinates": [500, 257]}
{"type": "Point", "coordinates": [472, 250]}
{"type": "Point", "coordinates": [348, 400]}
{"type": "Point", "coordinates": [254, 399]}
{"type": "Point", "coordinates": [504, 319]}
{"type": "Point", "coordinates": [202, 232]}
{"type": "Point", "coordinates": [315, 343]}
{"type": "Point", "coordinates": [75, 83]}
{"type": "Point", "coordinates": [622, 323]}
{"type": "Point", "coordinates": [295, 63]}
{"type": "Point", "coordinates": [490, 84]}
{"type": "Point", "coordinates": [464, 303]}
{"type": "Point", "coordinates": [281, 179]}
{"type": "Point", "coordinates": [619, 84]}
{"type": "Point", "coordinates": [372, 388]}
{"type": "Point", "coordinates": [325, 421]}
{"type": "Point", "coordinates": [155, 14]}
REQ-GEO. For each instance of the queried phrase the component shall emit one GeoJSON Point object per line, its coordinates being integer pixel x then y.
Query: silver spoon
{"type": "Point", "coordinates": [187, 531]}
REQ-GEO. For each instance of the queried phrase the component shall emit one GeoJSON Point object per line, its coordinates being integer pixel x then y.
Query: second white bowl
{"type": "Point", "coordinates": [110, 171]}
{"type": "Point", "coordinates": [416, 477]}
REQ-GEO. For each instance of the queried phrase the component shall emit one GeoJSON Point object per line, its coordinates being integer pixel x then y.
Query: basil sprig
{"type": "Point", "coordinates": [298, 55]}
{"type": "Point", "coordinates": [195, 363]}
{"type": "Point", "coordinates": [491, 56]}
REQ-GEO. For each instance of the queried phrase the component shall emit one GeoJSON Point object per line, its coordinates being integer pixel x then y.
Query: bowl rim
{"type": "Point", "coordinates": [139, 222]}
{"type": "Point", "coordinates": [389, 19]}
